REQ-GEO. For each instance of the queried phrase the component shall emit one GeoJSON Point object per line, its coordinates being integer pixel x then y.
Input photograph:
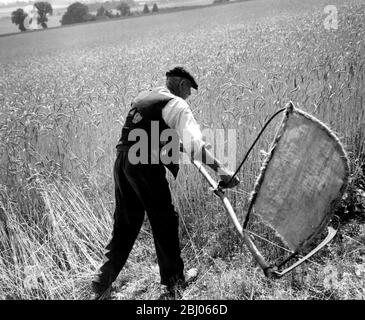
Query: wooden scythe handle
{"type": "Point", "coordinates": [268, 270]}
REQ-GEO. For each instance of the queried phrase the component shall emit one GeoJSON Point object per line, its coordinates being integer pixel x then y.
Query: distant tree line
{"type": "Point", "coordinates": [219, 1]}
{"type": "Point", "coordinates": [78, 12]}
{"type": "Point", "coordinates": [109, 5]}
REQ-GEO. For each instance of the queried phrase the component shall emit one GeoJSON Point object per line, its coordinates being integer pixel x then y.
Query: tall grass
{"type": "Point", "coordinates": [62, 110]}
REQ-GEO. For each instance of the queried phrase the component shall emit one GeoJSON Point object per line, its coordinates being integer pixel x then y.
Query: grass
{"type": "Point", "coordinates": [63, 96]}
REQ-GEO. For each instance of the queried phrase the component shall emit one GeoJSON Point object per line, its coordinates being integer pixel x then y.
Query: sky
{"type": "Point", "coordinates": [10, 1]}
{"type": "Point", "coordinates": [13, 1]}
{"type": "Point", "coordinates": [52, 1]}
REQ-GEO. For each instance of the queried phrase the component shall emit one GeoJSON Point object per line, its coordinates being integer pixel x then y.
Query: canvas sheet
{"type": "Point", "coordinates": [302, 179]}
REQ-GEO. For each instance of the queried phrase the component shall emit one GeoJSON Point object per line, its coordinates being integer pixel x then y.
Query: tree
{"type": "Point", "coordinates": [145, 8]}
{"type": "Point", "coordinates": [101, 12]}
{"type": "Point", "coordinates": [76, 13]}
{"type": "Point", "coordinates": [124, 8]}
{"type": "Point", "coordinates": [43, 8]}
{"type": "Point", "coordinates": [154, 8]}
{"type": "Point", "coordinates": [17, 17]}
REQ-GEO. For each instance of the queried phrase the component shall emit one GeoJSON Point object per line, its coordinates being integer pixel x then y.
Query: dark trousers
{"type": "Point", "coordinates": [139, 189]}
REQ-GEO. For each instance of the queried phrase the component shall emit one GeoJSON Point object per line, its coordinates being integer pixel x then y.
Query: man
{"type": "Point", "coordinates": [143, 187]}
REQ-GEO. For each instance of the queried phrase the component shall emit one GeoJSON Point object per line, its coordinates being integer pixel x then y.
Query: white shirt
{"type": "Point", "coordinates": [178, 116]}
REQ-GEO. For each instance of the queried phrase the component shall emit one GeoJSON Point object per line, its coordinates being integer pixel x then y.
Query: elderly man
{"type": "Point", "coordinates": [143, 187]}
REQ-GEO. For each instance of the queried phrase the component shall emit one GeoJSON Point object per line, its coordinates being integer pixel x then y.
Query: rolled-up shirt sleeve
{"type": "Point", "coordinates": [178, 116]}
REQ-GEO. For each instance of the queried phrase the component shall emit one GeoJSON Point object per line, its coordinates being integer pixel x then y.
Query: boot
{"type": "Point", "coordinates": [175, 291]}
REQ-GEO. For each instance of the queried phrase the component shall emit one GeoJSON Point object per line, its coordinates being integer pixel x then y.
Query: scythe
{"type": "Point", "coordinates": [300, 184]}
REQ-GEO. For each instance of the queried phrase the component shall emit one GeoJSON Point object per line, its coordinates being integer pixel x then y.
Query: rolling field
{"type": "Point", "coordinates": [6, 26]}
{"type": "Point", "coordinates": [63, 98]}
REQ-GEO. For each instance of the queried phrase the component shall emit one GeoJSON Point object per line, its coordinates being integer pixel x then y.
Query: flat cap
{"type": "Point", "coordinates": [182, 73]}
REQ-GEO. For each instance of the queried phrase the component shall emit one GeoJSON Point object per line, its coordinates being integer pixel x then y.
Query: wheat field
{"type": "Point", "coordinates": [63, 98]}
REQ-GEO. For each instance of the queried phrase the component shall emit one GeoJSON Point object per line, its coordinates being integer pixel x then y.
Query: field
{"type": "Point", "coordinates": [63, 97]}
{"type": "Point", "coordinates": [6, 26]}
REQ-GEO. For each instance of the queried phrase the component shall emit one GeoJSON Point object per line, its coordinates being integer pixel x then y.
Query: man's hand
{"type": "Point", "coordinates": [226, 177]}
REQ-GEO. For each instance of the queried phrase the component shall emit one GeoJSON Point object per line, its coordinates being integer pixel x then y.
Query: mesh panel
{"type": "Point", "coordinates": [302, 179]}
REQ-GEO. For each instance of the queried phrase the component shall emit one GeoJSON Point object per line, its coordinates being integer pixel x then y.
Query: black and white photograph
{"type": "Point", "coordinates": [182, 154]}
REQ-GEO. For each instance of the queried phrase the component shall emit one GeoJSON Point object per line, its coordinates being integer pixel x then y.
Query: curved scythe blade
{"type": "Point", "coordinates": [330, 235]}
{"type": "Point", "coordinates": [269, 271]}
